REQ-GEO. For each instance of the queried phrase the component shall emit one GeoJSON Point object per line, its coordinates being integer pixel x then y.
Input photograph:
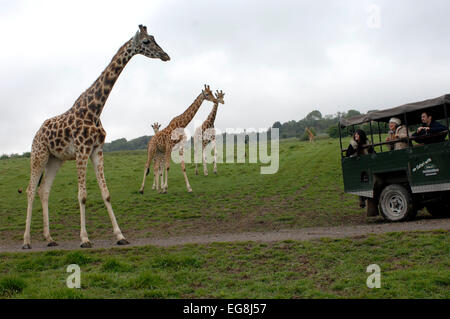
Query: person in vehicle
{"type": "Point", "coordinates": [396, 131]}
{"type": "Point", "coordinates": [359, 145]}
{"type": "Point", "coordinates": [429, 128]}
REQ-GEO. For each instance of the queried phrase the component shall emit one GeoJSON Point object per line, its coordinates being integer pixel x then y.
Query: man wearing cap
{"type": "Point", "coordinates": [396, 131]}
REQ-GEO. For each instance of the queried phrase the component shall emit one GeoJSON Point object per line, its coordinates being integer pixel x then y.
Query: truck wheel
{"type": "Point", "coordinates": [396, 203]}
{"type": "Point", "coordinates": [438, 209]}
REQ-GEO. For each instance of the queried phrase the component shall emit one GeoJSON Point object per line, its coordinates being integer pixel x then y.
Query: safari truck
{"type": "Point", "coordinates": [398, 183]}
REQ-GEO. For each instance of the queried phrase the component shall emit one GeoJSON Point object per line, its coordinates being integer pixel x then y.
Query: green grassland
{"type": "Point", "coordinates": [413, 265]}
{"type": "Point", "coordinates": [306, 191]}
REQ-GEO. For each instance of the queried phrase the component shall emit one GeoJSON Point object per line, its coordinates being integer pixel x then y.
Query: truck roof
{"type": "Point", "coordinates": [438, 106]}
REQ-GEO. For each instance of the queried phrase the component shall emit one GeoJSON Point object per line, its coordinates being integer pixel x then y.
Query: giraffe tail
{"type": "Point", "coordinates": [20, 190]}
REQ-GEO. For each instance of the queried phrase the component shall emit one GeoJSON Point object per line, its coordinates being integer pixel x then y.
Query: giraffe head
{"type": "Point", "coordinates": [208, 94]}
{"type": "Point", "coordinates": [145, 44]}
{"type": "Point", "coordinates": [219, 96]}
{"type": "Point", "coordinates": [156, 126]}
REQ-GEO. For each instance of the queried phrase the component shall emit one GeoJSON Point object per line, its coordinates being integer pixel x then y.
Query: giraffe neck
{"type": "Point", "coordinates": [184, 119]}
{"type": "Point", "coordinates": [91, 102]}
{"type": "Point", "coordinates": [212, 116]}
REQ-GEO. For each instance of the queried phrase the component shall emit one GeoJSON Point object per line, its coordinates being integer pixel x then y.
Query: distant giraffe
{"type": "Point", "coordinates": [206, 134]}
{"type": "Point", "coordinates": [163, 142]}
{"type": "Point", "coordinates": [310, 134]}
{"type": "Point", "coordinates": [78, 134]}
{"type": "Point", "coordinates": [156, 126]}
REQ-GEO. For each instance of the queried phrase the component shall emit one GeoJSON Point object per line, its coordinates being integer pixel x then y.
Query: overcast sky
{"type": "Point", "coordinates": [275, 60]}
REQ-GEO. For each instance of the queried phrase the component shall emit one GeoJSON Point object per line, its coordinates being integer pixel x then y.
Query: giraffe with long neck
{"type": "Point", "coordinates": [78, 135]}
{"type": "Point", "coordinates": [156, 126]}
{"type": "Point", "coordinates": [206, 134]}
{"type": "Point", "coordinates": [164, 141]}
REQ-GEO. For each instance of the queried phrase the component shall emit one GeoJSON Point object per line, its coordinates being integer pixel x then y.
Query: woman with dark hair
{"type": "Point", "coordinates": [359, 144]}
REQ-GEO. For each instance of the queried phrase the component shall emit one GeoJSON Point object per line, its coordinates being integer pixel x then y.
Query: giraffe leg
{"type": "Point", "coordinates": [51, 169]}
{"type": "Point", "coordinates": [154, 179]}
{"type": "Point", "coordinates": [215, 155]}
{"type": "Point", "coordinates": [161, 171]}
{"type": "Point", "coordinates": [38, 161]}
{"type": "Point", "coordinates": [167, 164]}
{"type": "Point", "coordinates": [97, 160]}
{"type": "Point", "coordinates": [205, 167]}
{"type": "Point", "coordinates": [183, 168]}
{"type": "Point", "coordinates": [150, 156]}
{"type": "Point", "coordinates": [195, 145]}
{"type": "Point", "coordinates": [157, 174]}
{"type": "Point", "coordinates": [81, 170]}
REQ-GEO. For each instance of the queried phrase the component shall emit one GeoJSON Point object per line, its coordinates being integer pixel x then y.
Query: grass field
{"type": "Point", "coordinates": [306, 191]}
{"type": "Point", "coordinates": [413, 265]}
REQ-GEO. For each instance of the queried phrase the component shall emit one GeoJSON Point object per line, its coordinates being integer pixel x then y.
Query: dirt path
{"type": "Point", "coordinates": [296, 234]}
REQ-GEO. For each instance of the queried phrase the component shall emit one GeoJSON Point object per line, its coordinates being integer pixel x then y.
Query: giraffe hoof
{"type": "Point", "coordinates": [123, 242]}
{"type": "Point", "coordinates": [141, 191]}
{"type": "Point", "coordinates": [52, 244]}
{"type": "Point", "coordinates": [86, 245]}
{"type": "Point", "coordinates": [26, 246]}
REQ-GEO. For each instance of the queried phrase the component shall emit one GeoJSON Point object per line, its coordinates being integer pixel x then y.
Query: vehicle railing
{"type": "Point", "coordinates": [405, 139]}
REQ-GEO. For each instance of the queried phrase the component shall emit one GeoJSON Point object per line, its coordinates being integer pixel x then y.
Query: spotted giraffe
{"type": "Point", "coordinates": [164, 141]}
{"type": "Point", "coordinates": [310, 135]}
{"type": "Point", "coordinates": [206, 134]}
{"type": "Point", "coordinates": [156, 126]}
{"type": "Point", "coordinates": [78, 135]}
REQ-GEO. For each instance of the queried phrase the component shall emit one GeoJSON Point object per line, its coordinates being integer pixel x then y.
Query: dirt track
{"type": "Point", "coordinates": [296, 234]}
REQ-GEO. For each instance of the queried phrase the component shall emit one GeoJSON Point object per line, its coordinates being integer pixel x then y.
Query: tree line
{"type": "Point", "coordinates": [322, 125]}
{"type": "Point", "coordinates": [315, 121]}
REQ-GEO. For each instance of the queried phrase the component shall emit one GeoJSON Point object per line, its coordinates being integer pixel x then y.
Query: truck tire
{"type": "Point", "coordinates": [396, 203]}
{"type": "Point", "coordinates": [438, 210]}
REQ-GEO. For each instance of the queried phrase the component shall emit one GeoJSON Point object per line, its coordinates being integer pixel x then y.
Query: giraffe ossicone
{"type": "Point", "coordinates": [78, 135]}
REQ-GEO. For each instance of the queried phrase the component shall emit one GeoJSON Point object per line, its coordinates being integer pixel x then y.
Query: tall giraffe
{"type": "Point", "coordinates": [78, 134]}
{"type": "Point", "coordinates": [206, 134]}
{"type": "Point", "coordinates": [310, 134]}
{"type": "Point", "coordinates": [156, 126]}
{"type": "Point", "coordinates": [163, 142]}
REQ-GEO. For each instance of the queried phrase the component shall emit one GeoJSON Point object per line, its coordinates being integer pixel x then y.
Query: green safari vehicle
{"type": "Point", "coordinates": [398, 183]}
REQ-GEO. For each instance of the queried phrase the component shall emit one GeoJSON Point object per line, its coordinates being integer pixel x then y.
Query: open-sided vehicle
{"type": "Point", "coordinates": [397, 183]}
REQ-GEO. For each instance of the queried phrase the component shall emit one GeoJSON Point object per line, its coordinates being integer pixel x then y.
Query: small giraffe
{"type": "Point", "coordinates": [78, 135]}
{"type": "Point", "coordinates": [156, 126]}
{"type": "Point", "coordinates": [310, 134]}
{"type": "Point", "coordinates": [207, 134]}
{"type": "Point", "coordinates": [163, 142]}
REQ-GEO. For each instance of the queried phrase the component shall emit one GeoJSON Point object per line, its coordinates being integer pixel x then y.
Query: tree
{"type": "Point", "coordinates": [276, 125]}
{"type": "Point", "coordinates": [314, 115]}
{"type": "Point", "coordinates": [352, 113]}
